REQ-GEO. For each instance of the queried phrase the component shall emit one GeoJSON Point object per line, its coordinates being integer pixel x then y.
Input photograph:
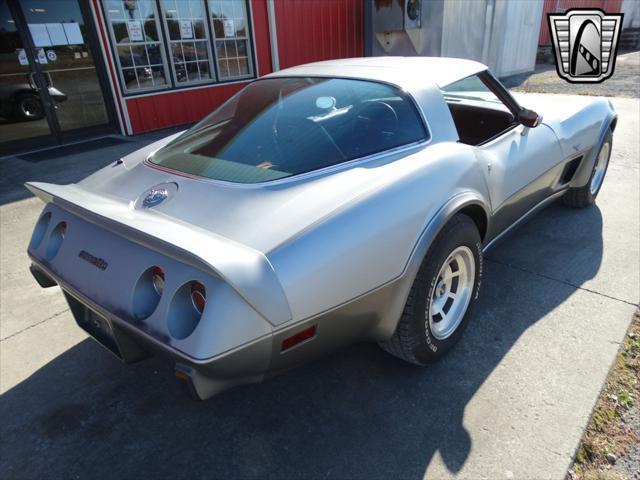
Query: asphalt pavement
{"type": "Point", "coordinates": [510, 401]}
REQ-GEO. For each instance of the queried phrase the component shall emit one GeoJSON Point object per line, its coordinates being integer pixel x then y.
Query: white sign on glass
{"type": "Point", "coordinates": [52, 55]}
{"type": "Point", "coordinates": [42, 57]}
{"type": "Point", "coordinates": [74, 35]}
{"type": "Point", "coordinates": [56, 34]}
{"type": "Point", "coordinates": [186, 31]}
{"type": "Point", "coordinates": [22, 57]}
{"type": "Point", "coordinates": [229, 28]}
{"type": "Point", "coordinates": [134, 27]}
{"type": "Point", "coordinates": [39, 34]}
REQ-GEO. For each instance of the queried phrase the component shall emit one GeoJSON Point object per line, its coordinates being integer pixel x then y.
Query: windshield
{"type": "Point", "coordinates": [279, 127]}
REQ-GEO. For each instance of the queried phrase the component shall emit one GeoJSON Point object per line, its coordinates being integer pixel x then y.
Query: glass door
{"type": "Point", "coordinates": [22, 112]}
{"type": "Point", "coordinates": [50, 86]}
{"type": "Point", "coordinates": [61, 41]}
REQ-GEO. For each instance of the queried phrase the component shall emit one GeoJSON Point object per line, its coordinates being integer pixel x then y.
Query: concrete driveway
{"type": "Point", "coordinates": [511, 401]}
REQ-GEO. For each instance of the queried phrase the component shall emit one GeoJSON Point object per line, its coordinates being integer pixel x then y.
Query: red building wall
{"type": "Point", "coordinates": [312, 30]}
{"type": "Point", "coordinates": [559, 6]}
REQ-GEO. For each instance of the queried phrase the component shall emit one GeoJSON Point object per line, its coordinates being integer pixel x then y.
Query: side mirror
{"type": "Point", "coordinates": [529, 118]}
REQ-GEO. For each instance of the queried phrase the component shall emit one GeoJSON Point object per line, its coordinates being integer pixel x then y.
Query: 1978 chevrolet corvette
{"type": "Point", "coordinates": [323, 204]}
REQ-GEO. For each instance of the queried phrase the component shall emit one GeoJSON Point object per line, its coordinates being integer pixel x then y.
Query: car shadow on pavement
{"type": "Point", "coordinates": [358, 413]}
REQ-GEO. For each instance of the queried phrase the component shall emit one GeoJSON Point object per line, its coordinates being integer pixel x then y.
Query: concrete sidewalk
{"type": "Point", "coordinates": [511, 401]}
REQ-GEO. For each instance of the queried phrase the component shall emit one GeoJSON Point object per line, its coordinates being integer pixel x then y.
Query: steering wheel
{"type": "Point", "coordinates": [304, 143]}
{"type": "Point", "coordinates": [374, 118]}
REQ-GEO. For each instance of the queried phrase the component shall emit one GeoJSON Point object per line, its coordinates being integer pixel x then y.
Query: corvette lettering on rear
{"type": "Point", "coordinates": [93, 260]}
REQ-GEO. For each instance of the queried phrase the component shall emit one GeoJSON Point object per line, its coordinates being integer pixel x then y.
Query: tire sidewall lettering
{"type": "Point", "coordinates": [431, 342]}
{"type": "Point", "coordinates": [480, 267]}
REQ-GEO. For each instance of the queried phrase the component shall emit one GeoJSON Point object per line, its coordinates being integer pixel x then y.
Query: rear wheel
{"type": "Point", "coordinates": [443, 292]}
{"type": "Point", "coordinates": [28, 107]}
{"type": "Point", "coordinates": [584, 196]}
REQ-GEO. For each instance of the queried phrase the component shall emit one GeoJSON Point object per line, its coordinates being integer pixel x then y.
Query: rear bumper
{"type": "Point", "coordinates": [207, 377]}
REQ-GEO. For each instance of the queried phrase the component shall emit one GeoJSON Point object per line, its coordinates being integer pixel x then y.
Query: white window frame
{"type": "Point", "coordinates": [207, 40]}
{"type": "Point", "coordinates": [248, 39]}
{"type": "Point", "coordinates": [115, 45]}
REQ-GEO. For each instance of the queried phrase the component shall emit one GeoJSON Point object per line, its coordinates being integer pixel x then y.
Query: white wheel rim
{"type": "Point", "coordinates": [600, 168]}
{"type": "Point", "coordinates": [451, 294]}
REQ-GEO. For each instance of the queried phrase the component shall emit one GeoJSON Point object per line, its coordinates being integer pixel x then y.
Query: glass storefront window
{"type": "Point", "coordinates": [188, 39]}
{"type": "Point", "coordinates": [229, 21]}
{"type": "Point", "coordinates": [165, 44]}
{"type": "Point", "coordinates": [136, 35]}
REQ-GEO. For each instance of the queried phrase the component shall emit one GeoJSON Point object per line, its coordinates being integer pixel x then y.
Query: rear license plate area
{"type": "Point", "coordinates": [101, 329]}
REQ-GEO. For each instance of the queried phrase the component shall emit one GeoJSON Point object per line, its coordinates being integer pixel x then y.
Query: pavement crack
{"type": "Point", "coordinates": [34, 325]}
{"type": "Point", "coordinates": [542, 275]}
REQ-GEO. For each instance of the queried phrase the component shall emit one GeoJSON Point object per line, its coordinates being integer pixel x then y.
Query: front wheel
{"type": "Point", "coordinates": [442, 294]}
{"type": "Point", "coordinates": [584, 196]}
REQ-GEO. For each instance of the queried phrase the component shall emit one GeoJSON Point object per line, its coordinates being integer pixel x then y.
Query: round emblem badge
{"type": "Point", "coordinates": [156, 195]}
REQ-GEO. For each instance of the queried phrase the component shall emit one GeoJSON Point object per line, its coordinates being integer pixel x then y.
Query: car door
{"type": "Point", "coordinates": [522, 163]}
{"type": "Point", "coordinates": [522, 166]}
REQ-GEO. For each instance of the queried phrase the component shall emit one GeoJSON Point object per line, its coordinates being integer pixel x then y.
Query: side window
{"type": "Point", "coordinates": [479, 115]}
{"type": "Point", "coordinates": [470, 88]}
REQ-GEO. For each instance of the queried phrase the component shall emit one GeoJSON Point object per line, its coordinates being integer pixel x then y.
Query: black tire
{"type": "Point", "coordinates": [28, 107]}
{"type": "Point", "coordinates": [414, 340]}
{"type": "Point", "coordinates": [582, 197]}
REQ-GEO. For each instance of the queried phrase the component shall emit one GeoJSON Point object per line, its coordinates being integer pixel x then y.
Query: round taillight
{"type": "Point", "coordinates": [55, 240]}
{"type": "Point", "coordinates": [198, 296]}
{"type": "Point", "coordinates": [157, 279]}
{"type": "Point", "coordinates": [40, 230]}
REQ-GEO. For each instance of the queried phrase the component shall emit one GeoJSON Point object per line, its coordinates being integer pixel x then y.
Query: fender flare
{"type": "Point", "coordinates": [433, 226]}
{"type": "Point", "coordinates": [583, 175]}
{"type": "Point", "coordinates": [437, 222]}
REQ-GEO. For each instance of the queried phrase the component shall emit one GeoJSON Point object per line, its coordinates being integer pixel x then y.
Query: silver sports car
{"type": "Point", "coordinates": [323, 204]}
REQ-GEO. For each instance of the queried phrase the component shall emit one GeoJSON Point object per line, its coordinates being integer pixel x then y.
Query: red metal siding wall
{"type": "Point", "coordinates": [154, 112]}
{"type": "Point", "coordinates": [180, 107]}
{"type": "Point", "coordinates": [261, 35]}
{"type": "Point", "coordinates": [312, 30]}
{"type": "Point", "coordinates": [559, 6]}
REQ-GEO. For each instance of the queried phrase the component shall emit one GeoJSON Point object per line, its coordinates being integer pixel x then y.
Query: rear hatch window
{"type": "Point", "coordinates": [279, 127]}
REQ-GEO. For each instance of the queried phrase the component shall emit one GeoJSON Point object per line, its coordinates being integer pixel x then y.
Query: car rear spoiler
{"type": "Point", "coordinates": [245, 269]}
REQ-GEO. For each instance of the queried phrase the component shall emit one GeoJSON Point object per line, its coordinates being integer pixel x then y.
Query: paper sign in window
{"type": "Point", "coordinates": [134, 27]}
{"type": "Point", "coordinates": [39, 34]}
{"type": "Point", "coordinates": [229, 28]}
{"type": "Point", "coordinates": [186, 31]}
{"type": "Point", "coordinates": [42, 57]}
{"type": "Point", "coordinates": [74, 35]}
{"type": "Point", "coordinates": [22, 57]}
